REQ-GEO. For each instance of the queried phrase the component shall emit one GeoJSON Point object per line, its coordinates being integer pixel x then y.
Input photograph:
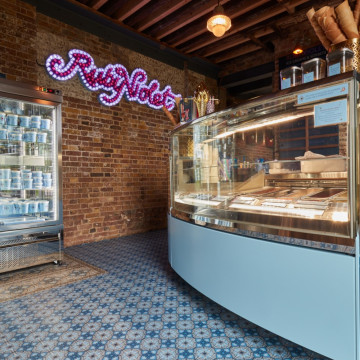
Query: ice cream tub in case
{"type": "Point", "coordinates": [16, 184]}
{"type": "Point", "coordinates": [15, 136]}
{"type": "Point", "coordinates": [36, 117]}
{"type": "Point", "coordinates": [41, 137]}
{"type": "Point", "coordinates": [16, 181]}
{"type": "Point", "coordinates": [46, 176]}
{"type": "Point", "coordinates": [5, 184]}
{"type": "Point", "coordinates": [15, 174]}
{"type": "Point", "coordinates": [16, 208]}
{"type": "Point", "coordinates": [5, 208]}
{"type": "Point", "coordinates": [43, 205]}
{"type": "Point", "coordinates": [2, 118]}
{"type": "Point", "coordinates": [37, 183]}
{"type": "Point", "coordinates": [24, 121]}
{"type": "Point", "coordinates": [12, 120]}
{"type": "Point", "coordinates": [27, 184]}
{"type": "Point", "coordinates": [3, 134]}
{"type": "Point", "coordinates": [37, 174]}
{"type": "Point", "coordinates": [24, 207]}
{"type": "Point", "coordinates": [45, 124]}
{"type": "Point", "coordinates": [30, 136]}
{"type": "Point", "coordinates": [26, 175]}
{"type": "Point", "coordinates": [4, 173]}
{"type": "Point", "coordinates": [33, 206]}
{"type": "Point", "coordinates": [25, 171]}
{"type": "Point", "coordinates": [35, 122]}
{"type": "Point", "coordinates": [47, 183]}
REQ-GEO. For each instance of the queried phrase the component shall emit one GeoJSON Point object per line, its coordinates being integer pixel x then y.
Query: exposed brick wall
{"type": "Point", "coordinates": [115, 160]}
{"type": "Point", "coordinates": [254, 151]}
{"type": "Point", "coordinates": [18, 41]}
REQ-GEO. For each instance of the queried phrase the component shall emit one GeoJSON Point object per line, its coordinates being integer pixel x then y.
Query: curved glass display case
{"type": "Point", "coordinates": [281, 169]}
{"type": "Point", "coordinates": [265, 210]}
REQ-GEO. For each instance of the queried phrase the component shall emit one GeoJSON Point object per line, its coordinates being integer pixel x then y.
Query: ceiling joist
{"type": "Point", "coordinates": [96, 4]}
{"type": "Point", "coordinates": [163, 9]}
{"type": "Point", "coordinates": [128, 9]}
{"type": "Point", "coordinates": [180, 26]}
{"type": "Point", "coordinates": [198, 29]}
{"type": "Point", "coordinates": [233, 42]}
{"type": "Point", "coordinates": [193, 12]}
{"type": "Point", "coordinates": [240, 24]}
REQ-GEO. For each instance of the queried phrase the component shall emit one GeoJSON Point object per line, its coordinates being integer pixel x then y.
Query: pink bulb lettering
{"type": "Point", "coordinates": [113, 79]}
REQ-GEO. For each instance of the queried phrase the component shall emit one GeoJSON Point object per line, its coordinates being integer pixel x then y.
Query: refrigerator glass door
{"type": "Point", "coordinates": [28, 164]}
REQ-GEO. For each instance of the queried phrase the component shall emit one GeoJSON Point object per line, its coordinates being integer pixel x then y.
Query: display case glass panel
{"type": "Point", "coordinates": [28, 163]}
{"type": "Point", "coordinates": [280, 168]}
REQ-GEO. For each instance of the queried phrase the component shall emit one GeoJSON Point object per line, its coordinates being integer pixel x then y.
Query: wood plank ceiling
{"type": "Point", "coordinates": [182, 24]}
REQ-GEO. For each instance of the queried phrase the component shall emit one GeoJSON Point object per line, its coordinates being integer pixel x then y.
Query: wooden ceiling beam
{"type": "Point", "coordinates": [238, 25]}
{"type": "Point", "coordinates": [289, 9]}
{"type": "Point", "coordinates": [128, 9]}
{"type": "Point", "coordinates": [162, 10]}
{"type": "Point", "coordinates": [112, 6]}
{"type": "Point", "coordinates": [236, 53]}
{"type": "Point", "coordinates": [193, 12]}
{"type": "Point", "coordinates": [241, 8]}
{"type": "Point", "coordinates": [279, 32]}
{"type": "Point", "coordinates": [233, 41]}
{"type": "Point", "coordinates": [269, 48]}
{"type": "Point", "coordinates": [96, 4]}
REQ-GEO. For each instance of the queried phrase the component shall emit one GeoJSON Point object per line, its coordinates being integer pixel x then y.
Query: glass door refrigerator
{"type": "Point", "coordinates": [30, 176]}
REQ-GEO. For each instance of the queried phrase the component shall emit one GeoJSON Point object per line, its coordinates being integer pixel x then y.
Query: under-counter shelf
{"type": "Point", "coordinates": [22, 160]}
{"type": "Point", "coordinates": [20, 220]}
{"type": "Point", "coordinates": [42, 189]}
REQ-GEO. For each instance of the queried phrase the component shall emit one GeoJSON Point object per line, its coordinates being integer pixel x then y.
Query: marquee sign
{"type": "Point", "coordinates": [113, 79]}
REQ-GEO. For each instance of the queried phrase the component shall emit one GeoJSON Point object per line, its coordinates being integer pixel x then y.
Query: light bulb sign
{"type": "Point", "coordinates": [113, 79]}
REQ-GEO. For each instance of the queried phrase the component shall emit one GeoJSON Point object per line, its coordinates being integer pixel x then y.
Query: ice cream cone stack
{"type": "Point", "coordinates": [333, 26]}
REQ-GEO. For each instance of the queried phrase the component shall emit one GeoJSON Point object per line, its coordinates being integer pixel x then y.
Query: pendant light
{"type": "Point", "coordinates": [219, 23]}
{"type": "Point", "coordinates": [299, 47]}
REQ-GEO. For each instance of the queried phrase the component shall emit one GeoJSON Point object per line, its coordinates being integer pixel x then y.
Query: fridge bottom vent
{"type": "Point", "coordinates": [26, 255]}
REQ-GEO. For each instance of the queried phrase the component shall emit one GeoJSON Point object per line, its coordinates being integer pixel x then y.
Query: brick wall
{"type": "Point", "coordinates": [115, 160]}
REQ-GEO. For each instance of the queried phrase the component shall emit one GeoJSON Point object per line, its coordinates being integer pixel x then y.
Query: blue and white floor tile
{"type": "Point", "coordinates": [139, 309]}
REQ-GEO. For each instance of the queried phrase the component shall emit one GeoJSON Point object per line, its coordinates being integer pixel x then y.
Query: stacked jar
{"type": "Point", "coordinates": [15, 179]}
{"type": "Point", "coordinates": [36, 135]}
{"type": "Point", "coordinates": [37, 179]}
{"type": "Point", "coordinates": [11, 207]}
{"type": "Point", "coordinates": [47, 180]}
{"type": "Point", "coordinates": [5, 180]}
{"type": "Point", "coordinates": [26, 179]}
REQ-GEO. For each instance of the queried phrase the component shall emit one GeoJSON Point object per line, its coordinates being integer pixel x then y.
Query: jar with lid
{"type": "Point", "coordinates": [290, 76]}
{"type": "Point", "coordinates": [313, 69]}
{"type": "Point", "coordinates": [339, 61]}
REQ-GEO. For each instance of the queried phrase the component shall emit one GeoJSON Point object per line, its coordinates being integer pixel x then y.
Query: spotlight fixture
{"type": "Point", "coordinates": [298, 50]}
{"type": "Point", "coordinates": [219, 23]}
{"type": "Point", "coordinates": [299, 47]}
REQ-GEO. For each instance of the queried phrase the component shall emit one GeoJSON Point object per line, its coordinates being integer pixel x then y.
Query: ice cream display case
{"type": "Point", "coordinates": [30, 176]}
{"type": "Point", "coordinates": [268, 192]}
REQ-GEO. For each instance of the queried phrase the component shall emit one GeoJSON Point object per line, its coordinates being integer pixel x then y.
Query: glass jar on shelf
{"type": "Point", "coordinates": [31, 145]}
{"type": "Point", "coordinates": [24, 121]}
{"type": "Point", "coordinates": [12, 120]}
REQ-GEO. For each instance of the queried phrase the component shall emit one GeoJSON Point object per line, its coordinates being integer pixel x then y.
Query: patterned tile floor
{"type": "Point", "coordinates": [139, 309]}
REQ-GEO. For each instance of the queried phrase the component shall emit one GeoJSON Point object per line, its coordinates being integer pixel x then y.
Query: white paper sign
{"type": "Point", "coordinates": [331, 113]}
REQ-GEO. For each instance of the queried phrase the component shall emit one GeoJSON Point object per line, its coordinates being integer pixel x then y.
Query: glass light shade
{"type": "Point", "coordinates": [219, 24]}
{"type": "Point", "coordinates": [298, 50]}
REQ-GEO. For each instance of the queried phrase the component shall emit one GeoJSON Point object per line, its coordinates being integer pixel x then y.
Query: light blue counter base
{"type": "Point", "coordinates": [301, 294]}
